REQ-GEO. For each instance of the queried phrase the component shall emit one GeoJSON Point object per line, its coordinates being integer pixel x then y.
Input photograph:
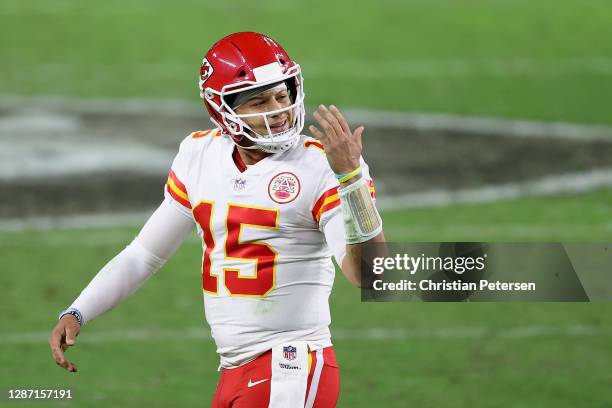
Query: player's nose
{"type": "Point", "coordinates": [278, 115]}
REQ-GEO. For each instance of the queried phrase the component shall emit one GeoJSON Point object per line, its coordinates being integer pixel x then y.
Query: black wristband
{"type": "Point", "coordinates": [75, 312]}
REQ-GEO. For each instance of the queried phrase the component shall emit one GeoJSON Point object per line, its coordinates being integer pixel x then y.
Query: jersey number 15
{"type": "Point", "coordinates": [264, 255]}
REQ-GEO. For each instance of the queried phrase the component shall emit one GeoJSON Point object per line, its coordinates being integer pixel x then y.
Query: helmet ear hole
{"type": "Point", "coordinates": [242, 74]}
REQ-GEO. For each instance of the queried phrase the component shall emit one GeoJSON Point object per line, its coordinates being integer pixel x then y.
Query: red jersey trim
{"type": "Point", "coordinates": [238, 160]}
{"type": "Point", "coordinates": [177, 190]}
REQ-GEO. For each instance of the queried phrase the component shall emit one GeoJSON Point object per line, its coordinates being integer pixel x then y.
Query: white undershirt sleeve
{"type": "Point", "coordinates": [335, 236]}
{"type": "Point", "coordinates": [158, 240]}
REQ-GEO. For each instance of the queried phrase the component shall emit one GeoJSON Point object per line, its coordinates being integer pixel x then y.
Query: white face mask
{"type": "Point", "coordinates": [270, 142]}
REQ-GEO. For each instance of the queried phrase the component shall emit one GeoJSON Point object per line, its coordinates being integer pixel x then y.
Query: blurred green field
{"type": "Point", "coordinates": [544, 59]}
{"type": "Point", "coordinates": [44, 270]}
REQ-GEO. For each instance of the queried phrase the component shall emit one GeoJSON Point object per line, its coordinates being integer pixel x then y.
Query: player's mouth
{"type": "Point", "coordinates": [280, 126]}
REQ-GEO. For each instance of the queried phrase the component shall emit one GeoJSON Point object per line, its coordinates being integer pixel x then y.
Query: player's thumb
{"type": "Point", "coordinates": [358, 132]}
{"type": "Point", "coordinates": [71, 335]}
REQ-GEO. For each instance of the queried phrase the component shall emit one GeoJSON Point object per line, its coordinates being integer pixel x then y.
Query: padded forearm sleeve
{"type": "Point", "coordinates": [361, 219]}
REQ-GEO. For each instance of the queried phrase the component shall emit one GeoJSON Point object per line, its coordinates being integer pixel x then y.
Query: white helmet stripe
{"type": "Point", "coordinates": [267, 72]}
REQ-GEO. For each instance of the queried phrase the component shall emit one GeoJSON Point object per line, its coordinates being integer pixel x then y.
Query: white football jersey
{"type": "Point", "coordinates": [267, 272]}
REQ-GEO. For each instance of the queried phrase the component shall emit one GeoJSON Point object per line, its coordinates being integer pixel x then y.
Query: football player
{"type": "Point", "coordinates": [271, 206]}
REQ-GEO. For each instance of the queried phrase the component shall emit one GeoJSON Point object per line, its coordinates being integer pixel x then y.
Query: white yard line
{"type": "Point", "coordinates": [357, 334]}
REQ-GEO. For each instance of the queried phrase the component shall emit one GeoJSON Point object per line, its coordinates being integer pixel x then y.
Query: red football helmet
{"type": "Point", "coordinates": [243, 62]}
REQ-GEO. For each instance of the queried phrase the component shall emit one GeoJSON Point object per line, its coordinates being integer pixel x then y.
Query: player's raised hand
{"type": "Point", "coordinates": [63, 336]}
{"type": "Point", "coordinates": [342, 146]}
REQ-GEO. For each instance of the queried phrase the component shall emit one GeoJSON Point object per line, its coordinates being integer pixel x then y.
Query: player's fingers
{"type": "Point", "coordinates": [327, 127]}
{"type": "Point", "coordinates": [332, 120]}
{"type": "Point", "coordinates": [343, 123]}
{"type": "Point", "coordinates": [316, 133]}
{"type": "Point", "coordinates": [62, 361]}
{"type": "Point", "coordinates": [58, 346]}
{"type": "Point", "coordinates": [71, 367]}
{"type": "Point", "coordinates": [58, 356]}
{"type": "Point", "coordinates": [55, 342]}
{"type": "Point", "coordinates": [67, 365]}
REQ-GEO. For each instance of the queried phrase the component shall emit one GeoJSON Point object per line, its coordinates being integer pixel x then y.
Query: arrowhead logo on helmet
{"type": "Point", "coordinates": [206, 71]}
{"type": "Point", "coordinates": [243, 63]}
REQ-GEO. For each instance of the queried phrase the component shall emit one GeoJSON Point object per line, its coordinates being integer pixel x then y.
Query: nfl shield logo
{"type": "Point", "coordinates": [238, 184]}
{"type": "Point", "coordinates": [289, 352]}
